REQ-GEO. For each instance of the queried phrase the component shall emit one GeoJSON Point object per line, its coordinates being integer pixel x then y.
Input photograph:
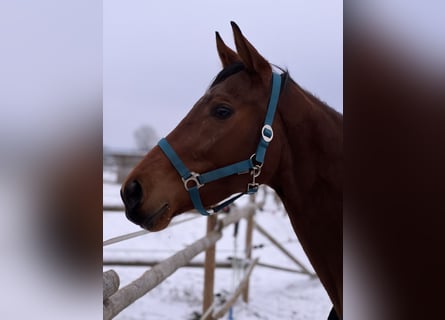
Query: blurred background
{"type": "Point", "coordinates": [50, 159]}
{"type": "Point", "coordinates": [160, 57]}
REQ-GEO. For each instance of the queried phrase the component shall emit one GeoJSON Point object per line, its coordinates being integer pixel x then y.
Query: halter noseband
{"type": "Point", "coordinates": [193, 181]}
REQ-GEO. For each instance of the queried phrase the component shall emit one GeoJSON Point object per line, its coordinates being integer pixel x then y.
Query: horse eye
{"type": "Point", "coordinates": [221, 112]}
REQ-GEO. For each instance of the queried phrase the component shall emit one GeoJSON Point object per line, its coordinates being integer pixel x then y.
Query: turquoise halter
{"type": "Point", "coordinates": [194, 181]}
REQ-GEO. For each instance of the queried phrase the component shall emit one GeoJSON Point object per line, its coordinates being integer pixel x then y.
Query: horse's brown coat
{"type": "Point", "coordinates": [303, 163]}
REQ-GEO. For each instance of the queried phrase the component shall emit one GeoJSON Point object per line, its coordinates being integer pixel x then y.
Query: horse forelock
{"type": "Point", "coordinates": [227, 72]}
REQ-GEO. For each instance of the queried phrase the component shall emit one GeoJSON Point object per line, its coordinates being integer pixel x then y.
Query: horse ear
{"type": "Point", "coordinates": [253, 61]}
{"type": "Point", "coordinates": [227, 55]}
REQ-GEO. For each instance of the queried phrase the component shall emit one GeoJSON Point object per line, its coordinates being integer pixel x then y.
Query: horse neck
{"type": "Point", "coordinates": [312, 146]}
{"type": "Point", "coordinates": [309, 181]}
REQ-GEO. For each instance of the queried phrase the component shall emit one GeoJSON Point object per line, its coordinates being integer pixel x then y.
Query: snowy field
{"type": "Point", "coordinates": [273, 294]}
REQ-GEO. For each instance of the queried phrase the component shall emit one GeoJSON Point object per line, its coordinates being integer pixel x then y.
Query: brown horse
{"type": "Point", "coordinates": [303, 162]}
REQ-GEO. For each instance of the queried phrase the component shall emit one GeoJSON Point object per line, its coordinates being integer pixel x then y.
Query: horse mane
{"type": "Point", "coordinates": [287, 80]}
{"type": "Point", "coordinates": [227, 72]}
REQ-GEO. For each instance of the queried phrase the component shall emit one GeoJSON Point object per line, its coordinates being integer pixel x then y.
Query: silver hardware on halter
{"type": "Point", "coordinates": [252, 187]}
{"type": "Point", "coordinates": [256, 171]}
{"type": "Point", "coordinates": [266, 138]}
{"type": "Point", "coordinates": [257, 166]}
{"type": "Point", "coordinates": [211, 211]}
{"type": "Point", "coordinates": [194, 178]}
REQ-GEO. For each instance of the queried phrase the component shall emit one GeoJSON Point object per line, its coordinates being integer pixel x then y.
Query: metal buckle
{"type": "Point", "coordinates": [266, 138]}
{"type": "Point", "coordinates": [193, 178]}
{"type": "Point", "coordinates": [253, 186]}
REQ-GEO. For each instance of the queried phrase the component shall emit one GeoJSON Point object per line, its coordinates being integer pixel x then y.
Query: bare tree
{"type": "Point", "coordinates": [145, 137]}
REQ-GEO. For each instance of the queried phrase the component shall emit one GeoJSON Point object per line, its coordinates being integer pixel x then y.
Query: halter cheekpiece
{"type": "Point", "coordinates": [194, 181]}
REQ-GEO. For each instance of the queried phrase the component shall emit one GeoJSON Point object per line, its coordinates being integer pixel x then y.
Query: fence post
{"type": "Point", "coordinates": [111, 283]}
{"type": "Point", "coordinates": [248, 245]}
{"type": "Point", "coordinates": [209, 269]}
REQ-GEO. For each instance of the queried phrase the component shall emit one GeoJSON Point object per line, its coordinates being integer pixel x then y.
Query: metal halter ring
{"type": "Point", "coordinates": [193, 178]}
{"type": "Point", "coordinates": [255, 164]}
{"type": "Point", "coordinates": [256, 171]}
{"type": "Point", "coordinates": [266, 138]}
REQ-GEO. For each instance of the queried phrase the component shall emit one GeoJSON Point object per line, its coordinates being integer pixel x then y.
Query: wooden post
{"type": "Point", "coordinates": [209, 269]}
{"type": "Point", "coordinates": [110, 283]}
{"type": "Point", "coordinates": [248, 248]}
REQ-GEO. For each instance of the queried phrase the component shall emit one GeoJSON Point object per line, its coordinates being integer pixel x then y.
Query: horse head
{"type": "Point", "coordinates": [223, 127]}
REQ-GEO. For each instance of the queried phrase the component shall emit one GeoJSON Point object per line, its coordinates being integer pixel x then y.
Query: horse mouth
{"type": "Point", "coordinates": [151, 222]}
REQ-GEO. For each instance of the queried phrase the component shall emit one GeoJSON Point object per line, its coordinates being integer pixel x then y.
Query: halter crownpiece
{"type": "Point", "coordinates": [194, 181]}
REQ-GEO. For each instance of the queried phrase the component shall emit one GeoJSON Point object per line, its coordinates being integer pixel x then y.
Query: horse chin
{"type": "Point", "coordinates": [158, 220]}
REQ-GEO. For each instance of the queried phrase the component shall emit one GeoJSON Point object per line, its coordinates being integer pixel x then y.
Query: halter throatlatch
{"type": "Point", "coordinates": [194, 181]}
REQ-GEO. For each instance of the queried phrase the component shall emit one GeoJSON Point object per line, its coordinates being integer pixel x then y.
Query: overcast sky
{"type": "Point", "coordinates": [160, 56]}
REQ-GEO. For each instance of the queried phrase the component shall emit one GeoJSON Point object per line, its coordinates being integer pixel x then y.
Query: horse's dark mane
{"type": "Point", "coordinates": [287, 80]}
{"type": "Point", "coordinates": [227, 72]}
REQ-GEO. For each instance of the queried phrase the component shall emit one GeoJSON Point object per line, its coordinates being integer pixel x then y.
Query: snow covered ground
{"type": "Point", "coordinates": [273, 294]}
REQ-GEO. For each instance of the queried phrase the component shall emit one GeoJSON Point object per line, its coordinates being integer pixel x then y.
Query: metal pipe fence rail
{"type": "Point", "coordinates": [142, 232]}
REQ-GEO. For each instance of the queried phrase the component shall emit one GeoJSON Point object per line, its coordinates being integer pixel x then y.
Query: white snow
{"type": "Point", "coordinates": [273, 294]}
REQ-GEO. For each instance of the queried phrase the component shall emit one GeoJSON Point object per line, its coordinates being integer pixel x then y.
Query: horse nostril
{"type": "Point", "coordinates": [132, 194]}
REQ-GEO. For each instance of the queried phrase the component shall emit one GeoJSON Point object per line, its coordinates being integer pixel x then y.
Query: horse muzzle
{"type": "Point", "coordinates": [132, 196]}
